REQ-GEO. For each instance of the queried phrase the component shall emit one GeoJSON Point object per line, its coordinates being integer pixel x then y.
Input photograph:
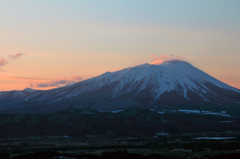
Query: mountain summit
{"type": "Point", "coordinates": [172, 84]}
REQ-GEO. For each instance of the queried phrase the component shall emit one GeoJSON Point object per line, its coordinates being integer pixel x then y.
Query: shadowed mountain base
{"type": "Point", "coordinates": [76, 122]}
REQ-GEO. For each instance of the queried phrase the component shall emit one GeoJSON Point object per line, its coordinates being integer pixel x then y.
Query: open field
{"type": "Point", "coordinates": [169, 146]}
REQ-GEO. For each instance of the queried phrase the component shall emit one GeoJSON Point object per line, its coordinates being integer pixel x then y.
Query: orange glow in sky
{"type": "Point", "coordinates": [162, 58]}
{"type": "Point", "coordinates": [49, 44]}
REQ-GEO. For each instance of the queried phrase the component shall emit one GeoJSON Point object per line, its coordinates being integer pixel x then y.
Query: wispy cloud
{"type": "Point", "coordinates": [14, 57]}
{"type": "Point", "coordinates": [162, 58]}
{"type": "Point", "coordinates": [57, 82]}
{"type": "Point", "coordinates": [27, 79]}
{"type": "Point", "coordinates": [3, 62]}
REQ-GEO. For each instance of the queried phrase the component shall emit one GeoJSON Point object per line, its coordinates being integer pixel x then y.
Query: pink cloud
{"type": "Point", "coordinates": [3, 61]}
{"type": "Point", "coordinates": [14, 57]}
{"type": "Point", "coordinates": [58, 82]}
{"type": "Point", "coordinates": [162, 58]}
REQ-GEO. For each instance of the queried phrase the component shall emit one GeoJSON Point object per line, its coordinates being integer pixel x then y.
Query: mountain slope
{"type": "Point", "coordinates": [171, 85]}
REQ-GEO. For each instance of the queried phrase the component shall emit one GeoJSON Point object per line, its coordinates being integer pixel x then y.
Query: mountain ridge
{"type": "Point", "coordinates": [170, 84]}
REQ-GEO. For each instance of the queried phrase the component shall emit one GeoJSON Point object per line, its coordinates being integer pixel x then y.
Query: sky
{"type": "Point", "coordinates": [50, 43]}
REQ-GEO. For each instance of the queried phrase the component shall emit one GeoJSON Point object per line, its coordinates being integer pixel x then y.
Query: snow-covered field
{"type": "Point", "coordinates": [203, 112]}
{"type": "Point", "coordinates": [213, 138]}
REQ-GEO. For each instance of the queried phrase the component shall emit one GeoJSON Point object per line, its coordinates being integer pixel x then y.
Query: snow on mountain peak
{"type": "Point", "coordinates": [167, 76]}
{"type": "Point", "coordinates": [170, 81]}
{"type": "Point", "coordinates": [154, 80]}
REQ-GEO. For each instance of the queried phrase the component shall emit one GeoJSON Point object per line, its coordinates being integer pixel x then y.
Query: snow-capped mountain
{"type": "Point", "coordinates": [173, 85]}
